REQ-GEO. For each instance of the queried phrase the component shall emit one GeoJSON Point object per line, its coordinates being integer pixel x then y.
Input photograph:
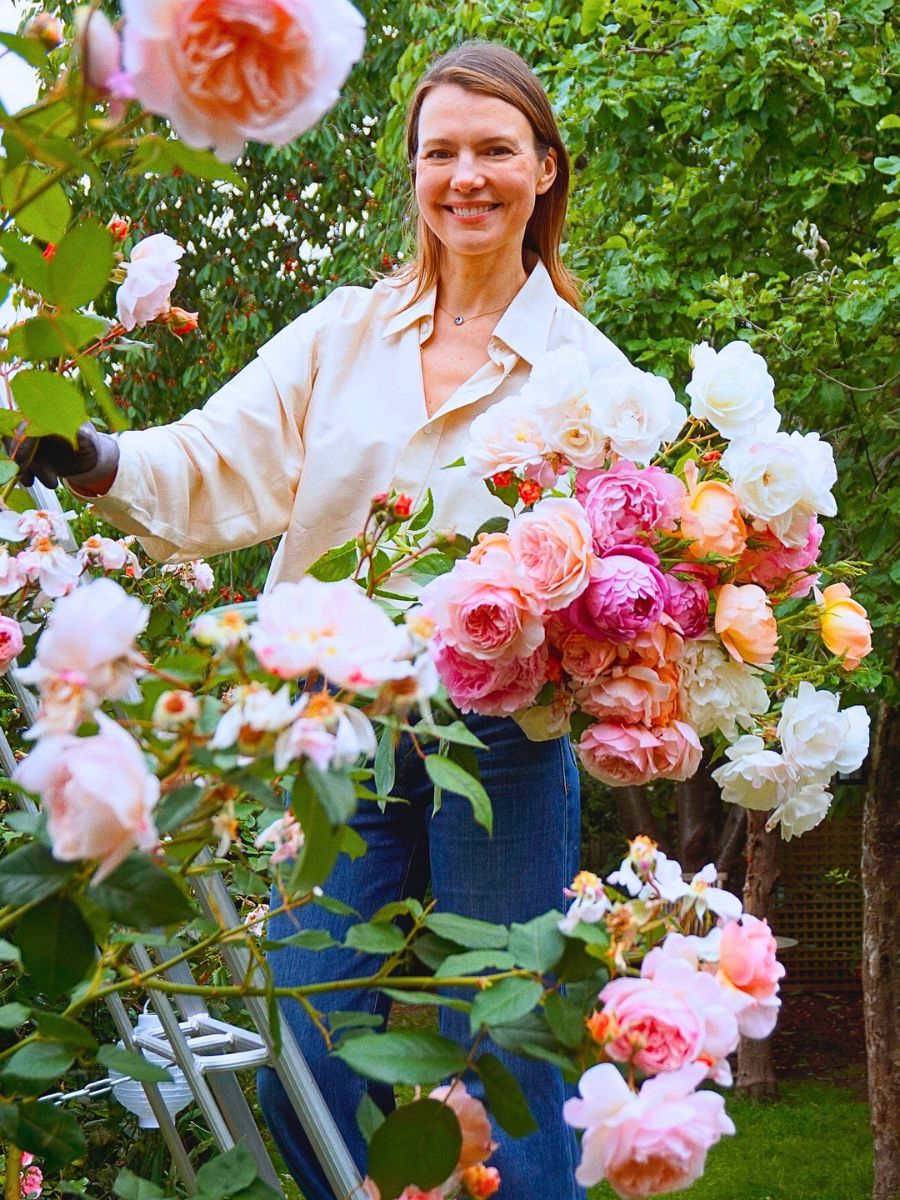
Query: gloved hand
{"type": "Point", "coordinates": [92, 460]}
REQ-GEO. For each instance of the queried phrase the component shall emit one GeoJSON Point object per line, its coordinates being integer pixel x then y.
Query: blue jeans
{"type": "Point", "coordinates": [517, 874]}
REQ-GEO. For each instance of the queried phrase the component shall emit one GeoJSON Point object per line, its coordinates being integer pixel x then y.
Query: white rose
{"type": "Point", "coordinates": [637, 411]}
{"type": "Point", "coordinates": [508, 437]}
{"type": "Point", "coordinates": [817, 738]}
{"type": "Point", "coordinates": [570, 430]}
{"type": "Point", "coordinates": [801, 811]}
{"type": "Point", "coordinates": [733, 390]}
{"type": "Point", "coordinates": [150, 276]}
{"type": "Point", "coordinates": [784, 480]}
{"type": "Point", "coordinates": [715, 692]}
{"type": "Point", "coordinates": [754, 777]}
{"type": "Point", "coordinates": [557, 378]}
{"type": "Point", "coordinates": [254, 708]}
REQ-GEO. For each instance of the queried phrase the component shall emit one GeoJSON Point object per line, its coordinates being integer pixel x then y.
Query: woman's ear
{"type": "Point", "coordinates": [548, 172]}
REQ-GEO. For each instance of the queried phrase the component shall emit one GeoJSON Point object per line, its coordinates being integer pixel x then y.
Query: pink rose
{"type": "Point", "coordinates": [632, 695]}
{"type": "Point", "coordinates": [11, 641]}
{"type": "Point", "coordinates": [223, 74]}
{"type": "Point", "coordinates": [487, 608]}
{"type": "Point", "coordinates": [101, 52]}
{"type": "Point", "coordinates": [488, 686]}
{"type": "Point", "coordinates": [772, 564]}
{"type": "Point", "coordinates": [150, 276]}
{"type": "Point", "coordinates": [553, 545]}
{"type": "Point", "coordinates": [87, 818]}
{"type": "Point", "coordinates": [624, 597]}
{"type": "Point", "coordinates": [679, 751]}
{"type": "Point", "coordinates": [478, 1142]}
{"type": "Point", "coordinates": [657, 1029]}
{"type": "Point", "coordinates": [687, 600]}
{"type": "Point", "coordinates": [749, 972]}
{"type": "Point", "coordinates": [627, 500]}
{"type": "Point", "coordinates": [619, 755]}
{"type": "Point", "coordinates": [650, 1143]}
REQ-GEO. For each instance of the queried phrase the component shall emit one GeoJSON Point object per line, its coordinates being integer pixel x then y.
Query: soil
{"type": "Point", "coordinates": [820, 1036]}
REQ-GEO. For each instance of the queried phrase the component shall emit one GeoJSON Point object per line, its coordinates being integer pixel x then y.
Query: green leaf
{"type": "Point", "coordinates": [162, 154]}
{"type": "Point", "coordinates": [65, 1030]}
{"type": "Point", "coordinates": [566, 1020]}
{"type": "Point", "coordinates": [418, 1143]}
{"type": "Point", "coordinates": [468, 931]}
{"type": "Point", "coordinates": [13, 1015]}
{"type": "Point", "coordinates": [407, 996]}
{"type": "Point", "coordinates": [143, 894]}
{"type": "Point", "coordinates": [385, 762]}
{"type": "Point", "coordinates": [177, 807]}
{"type": "Point", "coordinates": [424, 514]}
{"type": "Point", "coordinates": [473, 962]}
{"type": "Point", "coordinates": [375, 938]}
{"type": "Point", "coordinates": [132, 1187]}
{"type": "Point", "coordinates": [47, 216]}
{"type": "Point", "coordinates": [57, 945]}
{"type": "Point", "coordinates": [336, 791]}
{"type": "Point", "coordinates": [51, 1134]}
{"type": "Point", "coordinates": [451, 777]}
{"type": "Point", "coordinates": [51, 404]}
{"type": "Point", "coordinates": [226, 1174]}
{"type": "Point", "coordinates": [368, 1116]}
{"type": "Point", "coordinates": [537, 944]}
{"type": "Point", "coordinates": [25, 47]}
{"type": "Point", "coordinates": [408, 1057]}
{"type": "Point", "coordinates": [32, 873]}
{"type": "Point", "coordinates": [54, 335]}
{"type": "Point", "coordinates": [92, 375]}
{"type": "Point", "coordinates": [504, 1002]}
{"type": "Point", "coordinates": [25, 262]}
{"type": "Point", "coordinates": [351, 1019]}
{"type": "Point", "coordinates": [133, 1064]}
{"type": "Point", "coordinates": [505, 1097]}
{"type": "Point", "coordinates": [81, 266]}
{"type": "Point", "coordinates": [337, 563]}
{"type": "Point", "coordinates": [321, 843]}
{"type": "Point", "coordinates": [457, 732]}
{"type": "Point", "coordinates": [39, 1061]}
{"type": "Point", "coordinates": [305, 939]}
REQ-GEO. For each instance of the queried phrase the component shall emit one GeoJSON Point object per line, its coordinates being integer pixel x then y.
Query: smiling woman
{"type": "Point", "coordinates": [375, 390]}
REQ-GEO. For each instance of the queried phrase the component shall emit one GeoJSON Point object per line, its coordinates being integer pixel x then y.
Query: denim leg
{"type": "Point", "coordinates": [394, 866]}
{"type": "Point", "coordinates": [515, 875]}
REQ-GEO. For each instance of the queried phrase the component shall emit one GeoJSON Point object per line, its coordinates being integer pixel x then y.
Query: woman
{"type": "Point", "coordinates": [376, 388]}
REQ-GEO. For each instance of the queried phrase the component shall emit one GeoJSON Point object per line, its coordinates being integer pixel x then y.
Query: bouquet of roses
{"type": "Point", "coordinates": [656, 582]}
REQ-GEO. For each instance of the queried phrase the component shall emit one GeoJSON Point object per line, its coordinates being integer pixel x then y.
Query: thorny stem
{"type": "Point", "coordinates": [11, 1188]}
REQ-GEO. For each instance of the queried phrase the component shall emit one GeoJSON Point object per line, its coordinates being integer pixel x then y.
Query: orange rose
{"type": "Point", "coordinates": [745, 623]}
{"type": "Point", "coordinates": [477, 1141]}
{"type": "Point", "coordinates": [845, 625]}
{"type": "Point", "coordinates": [711, 519]}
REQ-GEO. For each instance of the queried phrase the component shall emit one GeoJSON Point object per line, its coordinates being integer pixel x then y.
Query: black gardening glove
{"type": "Point", "coordinates": [50, 458]}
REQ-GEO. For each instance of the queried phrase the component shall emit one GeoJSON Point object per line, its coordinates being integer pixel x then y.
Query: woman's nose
{"type": "Point", "coordinates": [467, 175]}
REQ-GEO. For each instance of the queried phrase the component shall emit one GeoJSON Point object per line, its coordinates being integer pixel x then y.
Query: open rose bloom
{"type": "Point", "coordinates": [636, 597]}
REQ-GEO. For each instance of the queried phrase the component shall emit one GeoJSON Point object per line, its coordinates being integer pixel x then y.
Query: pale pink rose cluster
{"type": "Point", "coordinates": [195, 575]}
{"type": "Point", "coordinates": [31, 1178]}
{"type": "Point", "coordinates": [150, 275]}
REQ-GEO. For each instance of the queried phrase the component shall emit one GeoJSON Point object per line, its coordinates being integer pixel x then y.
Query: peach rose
{"type": "Point", "coordinates": [225, 73]}
{"type": "Point", "coordinates": [845, 625]}
{"type": "Point", "coordinates": [745, 623]}
{"type": "Point", "coordinates": [618, 754]}
{"type": "Point", "coordinates": [583, 657]}
{"type": "Point", "coordinates": [633, 695]}
{"type": "Point", "coordinates": [554, 546]}
{"type": "Point", "coordinates": [679, 752]}
{"type": "Point", "coordinates": [655, 1028]}
{"type": "Point", "coordinates": [477, 1139]}
{"type": "Point", "coordinates": [480, 1181]}
{"type": "Point", "coordinates": [97, 792]}
{"type": "Point", "coordinates": [488, 543]}
{"type": "Point", "coordinates": [749, 973]}
{"type": "Point", "coordinates": [711, 518]}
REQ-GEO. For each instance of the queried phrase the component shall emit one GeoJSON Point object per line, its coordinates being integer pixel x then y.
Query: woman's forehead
{"type": "Point", "coordinates": [450, 112]}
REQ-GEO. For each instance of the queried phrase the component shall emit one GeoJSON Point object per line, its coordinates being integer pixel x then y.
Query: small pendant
{"type": "Point", "coordinates": [458, 320]}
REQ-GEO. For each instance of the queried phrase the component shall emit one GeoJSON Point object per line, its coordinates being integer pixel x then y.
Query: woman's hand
{"type": "Point", "coordinates": [91, 463]}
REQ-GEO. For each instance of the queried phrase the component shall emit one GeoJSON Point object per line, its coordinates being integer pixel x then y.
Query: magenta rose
{"type": "Point", "coordinates": [687, 600]}
{"type": "Point", "coordinates": [487, 686]}
{"type": "Point", "coordinates": [625, 596]}
{"type": "Point", "coordinates": [11, 641]}
{"type": "Point", "coordinates": [627, 500]}
{"type": "Point", "coordinates": [619, 755]}
{"type": "Point", "coordinates": [659, 1030]}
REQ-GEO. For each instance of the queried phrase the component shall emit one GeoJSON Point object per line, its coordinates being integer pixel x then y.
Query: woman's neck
{"type": "Point", "coordinates": [468, 285]}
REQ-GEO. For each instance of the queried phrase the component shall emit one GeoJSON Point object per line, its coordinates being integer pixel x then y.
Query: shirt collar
{"type": "Point", "coordinates": [524, 327]}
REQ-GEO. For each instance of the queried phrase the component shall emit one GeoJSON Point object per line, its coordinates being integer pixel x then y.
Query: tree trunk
{"type": "Point", "coordinates": [634, 812]}
{"type": "Point", "coordinates": [699, 816]}
{"type": "Point", "coordinates": [881, 953]}
{"type": "Point", "coordinates": [755, 1068]}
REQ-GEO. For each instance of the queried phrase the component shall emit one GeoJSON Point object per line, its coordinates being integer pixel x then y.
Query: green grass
{"type": "Point", "coordinates": [814, 1144]}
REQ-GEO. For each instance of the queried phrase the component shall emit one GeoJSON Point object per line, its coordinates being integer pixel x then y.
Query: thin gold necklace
{"type": "Point", "coordinates": [460, 320]}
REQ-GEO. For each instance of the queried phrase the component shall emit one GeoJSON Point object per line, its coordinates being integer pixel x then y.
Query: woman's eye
{"type": "Point", "coordinates": [495, 151]}
{"type": "Point", "coordinates": [437, 154]}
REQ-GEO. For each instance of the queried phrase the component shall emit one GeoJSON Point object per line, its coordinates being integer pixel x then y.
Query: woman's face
{"type": "Point", "coordinates": [477, 171]}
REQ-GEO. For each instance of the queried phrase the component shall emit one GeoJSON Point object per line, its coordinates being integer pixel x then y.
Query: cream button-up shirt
{"type": "Point", "coordinates": [331, 412]}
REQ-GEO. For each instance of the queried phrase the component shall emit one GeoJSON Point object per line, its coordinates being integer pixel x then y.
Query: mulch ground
{"type": "Point", "coordinates": [820, 1037]}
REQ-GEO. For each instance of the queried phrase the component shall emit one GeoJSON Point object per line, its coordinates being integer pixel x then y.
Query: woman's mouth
{"type": "Point", "coordinates": [470, 211]}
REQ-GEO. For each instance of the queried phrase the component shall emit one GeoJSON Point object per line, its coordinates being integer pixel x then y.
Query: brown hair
{"type": "Point", "coordinates": [495, 70]}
